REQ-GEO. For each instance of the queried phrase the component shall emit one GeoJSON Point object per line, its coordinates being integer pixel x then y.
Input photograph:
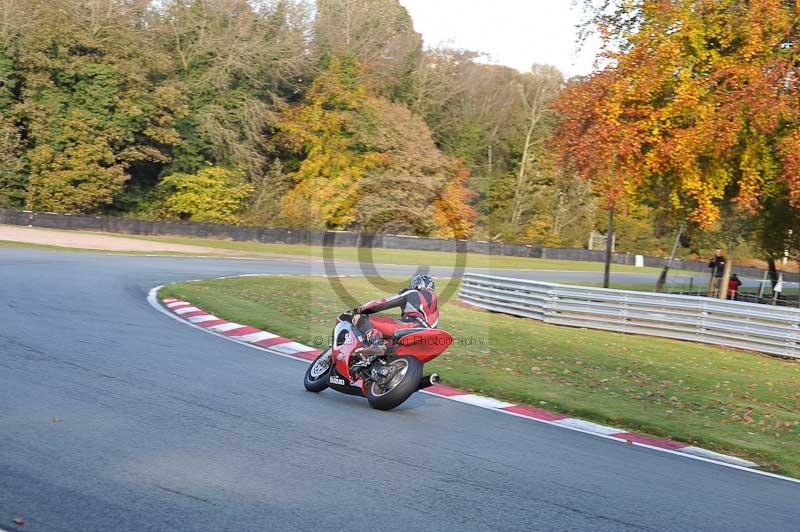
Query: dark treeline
{"type": "Point", "coordinates": [275, 112]}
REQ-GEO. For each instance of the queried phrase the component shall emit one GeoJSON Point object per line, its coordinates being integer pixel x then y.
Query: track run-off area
{"type": "Point", "coordinates": [114, 417]}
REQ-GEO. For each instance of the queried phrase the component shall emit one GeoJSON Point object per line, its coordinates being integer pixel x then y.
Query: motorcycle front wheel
{"type": "Point", "coordinates": [318, 373]}
{"type": "Point", "coordinates": [399, 387]}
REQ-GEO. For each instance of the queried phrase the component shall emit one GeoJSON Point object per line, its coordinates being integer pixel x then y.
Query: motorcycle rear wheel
{"type": "Point", "coordinates": [318, 372]}
{"type": "Point", "coordinates": [399, 388]}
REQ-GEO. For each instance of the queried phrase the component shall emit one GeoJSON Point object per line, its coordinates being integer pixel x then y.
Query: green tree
{"type": "Point", "coordinates": [80, 175]}
{"type": "Point", "coordinates": [12, 177]}
{"type": "Point", "coordinates": [270, 191]}
{"type": "Point", "coordinates": [213, 194]}
{"type": "Point", "coordinates": [778, 228]}
{"type": "Point", "coordinates": [234, 62]}
{"type": "Point", "coordinates": [472, 109]}
{"type": "Point", "coordinates": [87, 101]}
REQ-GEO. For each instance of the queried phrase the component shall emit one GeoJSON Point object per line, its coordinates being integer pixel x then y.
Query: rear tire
{"type": "Point", "coordinates": [381, 398]}
{"type": "Point", "coordinates": [318, 372]}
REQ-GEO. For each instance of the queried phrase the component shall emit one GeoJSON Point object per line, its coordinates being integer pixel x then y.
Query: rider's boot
{"type": "Point", "coordinates": [376, 348]}
{"type": "Point", "coordinates": [372, 349]}
{"type": "Point", "coordinates": [374, 345]}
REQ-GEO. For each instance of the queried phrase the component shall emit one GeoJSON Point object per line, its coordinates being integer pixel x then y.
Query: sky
{"type": "Point", "coordinates": [516, 33]}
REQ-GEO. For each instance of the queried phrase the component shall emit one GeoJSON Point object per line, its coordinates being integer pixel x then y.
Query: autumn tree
{"type": "Point", "coordinates": [562, 207]}
{"type": "Point", "coordinates": [234, 63]}
{"type": "Point", "coordinates": [453, 215]}
{"type": "Point", "coordinates": [696, 106]}
{"type": "Point", "coordinates": [379, 34]}
{"type": "Point", "coordinates": [81, 174]}
{"type": "Point", "coordinates": [536, 93]}
{"type": "Point", "coordinates": [399, 195]}
{"type": "Point", "coordinates": [362, 161]}
{"type": "Point", "coordinates": [321, 132]}
{"type": "Point", "coordinates": [471, 108]}
{"type": "Point", "coordinates": [496, 120]}
{"type": "Point", "coordinates": [269, 193]}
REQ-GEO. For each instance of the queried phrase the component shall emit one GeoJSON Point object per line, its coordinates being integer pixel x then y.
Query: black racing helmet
{"type": "Point", "coordinates": [422, 282]}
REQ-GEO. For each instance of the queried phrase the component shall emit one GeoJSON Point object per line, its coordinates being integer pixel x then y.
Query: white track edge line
{"type": "Point", "coordinates": [640, 444]}
{"type": "Point", "coordinates": [152, 298]}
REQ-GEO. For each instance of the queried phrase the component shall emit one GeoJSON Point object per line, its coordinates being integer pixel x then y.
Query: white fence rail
{"type": "Point", "coordinates": [772, 330]}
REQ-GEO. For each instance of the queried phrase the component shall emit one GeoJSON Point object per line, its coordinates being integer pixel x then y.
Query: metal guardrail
{"type": "Point", "coordinates": [766, 329]}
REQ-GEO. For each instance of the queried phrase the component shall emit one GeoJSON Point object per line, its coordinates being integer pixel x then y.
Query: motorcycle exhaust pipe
{"type": "Point", "coordinates": [429, 380]}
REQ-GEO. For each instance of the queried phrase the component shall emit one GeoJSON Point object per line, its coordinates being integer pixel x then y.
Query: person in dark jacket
{"type": "Point", "coordinates": [717, 266]}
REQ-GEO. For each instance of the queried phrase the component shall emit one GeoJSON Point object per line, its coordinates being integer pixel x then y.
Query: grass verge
{"type": "Point", "coordinates": [403, 256]}
{"type": "Point", "coordinates": [730, 401]}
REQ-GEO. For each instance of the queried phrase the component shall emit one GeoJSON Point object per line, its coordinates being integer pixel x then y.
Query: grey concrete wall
{"type": "Point", "coordinates": [115, 224]}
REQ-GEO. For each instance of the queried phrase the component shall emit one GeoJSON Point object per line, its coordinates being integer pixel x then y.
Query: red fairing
{"type": "Point", "coordinates": [341, 356]}
{"type": "Point", "coordinates": [424, 345]}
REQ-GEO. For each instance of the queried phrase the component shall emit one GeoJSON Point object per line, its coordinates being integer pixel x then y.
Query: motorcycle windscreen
{"type": "Point", "coordinates": [424, 345]}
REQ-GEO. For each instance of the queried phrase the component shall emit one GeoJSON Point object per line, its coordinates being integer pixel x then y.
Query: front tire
{"type": "Point", "coordinates": [399, 388]}
{"type": "Point", "coordinates": [318, 373]}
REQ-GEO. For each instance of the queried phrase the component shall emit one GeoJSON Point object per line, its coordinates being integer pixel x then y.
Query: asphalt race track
{"type": "Point", "coordinates": [114, 417]}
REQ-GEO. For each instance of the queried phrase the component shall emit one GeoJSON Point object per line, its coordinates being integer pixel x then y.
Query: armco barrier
{"type": "Point", "coordinates": [762, 328]}
{"type": "Point", "coordinates": [115, 224]}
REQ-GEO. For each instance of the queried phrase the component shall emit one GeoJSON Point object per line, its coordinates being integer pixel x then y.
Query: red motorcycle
{"type": "Point", "coordinates": [386, 381]}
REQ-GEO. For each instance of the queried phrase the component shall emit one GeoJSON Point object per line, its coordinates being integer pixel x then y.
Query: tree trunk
{"type": "Point", "coordinates": [609, 244]}
{"type": "Point", "coordinates": [773, 272]}
{"type": "Point", "coordinates": [557, 219]}
{"type": "Point", "coordinates": [518, 193]}
{"type": "Point", "coordinates": [490, 142]}
{"type": "Point", "coordinates": [662, 279]}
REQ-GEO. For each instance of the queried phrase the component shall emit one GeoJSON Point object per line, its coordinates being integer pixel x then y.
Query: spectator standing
{"type": "Point", "coordinates": [717, 265]}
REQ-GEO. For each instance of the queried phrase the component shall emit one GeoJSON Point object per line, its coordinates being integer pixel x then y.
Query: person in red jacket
{"type": "Point", "coordinates": [419, 309]}
{"type": "Point", "coordinates": [733, 287]}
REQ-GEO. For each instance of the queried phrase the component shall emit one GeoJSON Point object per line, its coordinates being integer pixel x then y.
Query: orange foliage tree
{"type": "Point", "coordinates": [453, 216]}
{"type": "Point", "coordinates": [698, 104]}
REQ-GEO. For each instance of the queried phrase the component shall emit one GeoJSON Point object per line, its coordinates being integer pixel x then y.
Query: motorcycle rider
{"type": "Point", "coordinates": [419, 308]}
